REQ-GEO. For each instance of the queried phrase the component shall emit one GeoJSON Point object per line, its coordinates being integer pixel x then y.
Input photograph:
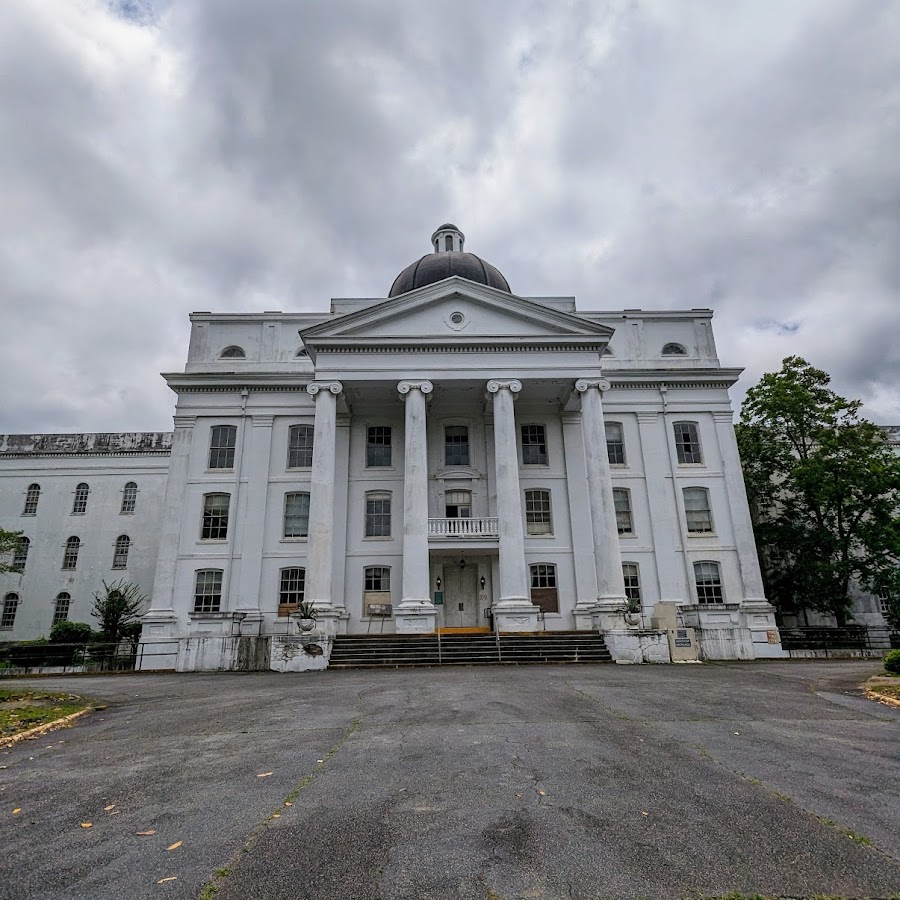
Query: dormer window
{"type": "Point", "coordinates": [233, 352]}
{"type": "Point", "coordinates": [673, 350]}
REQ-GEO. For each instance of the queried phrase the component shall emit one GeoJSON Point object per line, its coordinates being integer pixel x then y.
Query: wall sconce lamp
{"type": "Point", "coordinates": [462, 563]}
{"type": "Point", "coordinates": [438, 582]}
{"type": "Point", "coordinates": [483, 582]}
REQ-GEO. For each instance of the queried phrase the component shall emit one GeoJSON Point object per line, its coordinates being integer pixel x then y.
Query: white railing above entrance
{"type": "Point", "coordinates": [479, 526]}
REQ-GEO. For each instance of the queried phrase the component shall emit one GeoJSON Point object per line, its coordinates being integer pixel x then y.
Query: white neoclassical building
{"type": "Point", "coordinates": [452, 456]}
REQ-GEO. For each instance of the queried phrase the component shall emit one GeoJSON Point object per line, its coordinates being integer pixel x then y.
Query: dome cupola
{"type": "Point", "coordinates": [448, 259]}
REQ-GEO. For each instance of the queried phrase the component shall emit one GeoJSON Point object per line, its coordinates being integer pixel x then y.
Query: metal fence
{"type": "Point", "coordinates": [40, 657]}
{"type": "Point", "coordinates": [850, 637]}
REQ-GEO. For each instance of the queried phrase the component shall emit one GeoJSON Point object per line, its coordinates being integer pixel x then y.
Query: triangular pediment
{"type": "Point", "coordinates": [455, 311]}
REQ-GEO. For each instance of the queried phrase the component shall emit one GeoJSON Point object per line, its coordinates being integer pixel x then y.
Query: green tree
{"type": "Point", "coordinates": [824, 492]}
{"type": "Point", "coordinates": [9, 543]}
{"type": "Point", "coordinates": [117, 608]}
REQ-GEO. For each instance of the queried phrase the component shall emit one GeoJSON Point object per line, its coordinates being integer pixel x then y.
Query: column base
{"type": "Point", "coordinates": [584, 615]}
{"type": "Point", "coordinates": [250, 621]}
{"type": "Point", "coordinates": [158, 646]}
{"type": "Point", "coordinates": [630, 647]}
{"type": "Point", "coordinates": [758, 616]}
{"type": "Point", "coordinates": [609, 614]}
{"type": "Point", "coordinates": [415, 617]}
{"type": "Point", "coordinates": [516, 616]}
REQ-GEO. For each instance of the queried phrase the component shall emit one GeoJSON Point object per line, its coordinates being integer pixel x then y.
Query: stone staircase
{"type": "Point", "coordinates": [401, 650]}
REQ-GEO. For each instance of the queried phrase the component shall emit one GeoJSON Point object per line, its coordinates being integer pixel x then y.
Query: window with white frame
{"type": "Point", "coordinates": [208, 591]}
{"type": "Point", "coordinates": [456, 445]}
{"type": "Point", "coordinates": [129, 499]}
{"type": "Point", "coordinates": [10, 607]}
{"type": "Point", "coordinates": [20, 554]}
{"type": "Point", "coordinates": [214, 525]}
{"type": "Point", "coordinates": [709, 583]}
{"type": "Point", "coordinates": [673, 350]}
{"type": "Point", "coordinates": [538, 516]}
{"type": "Point", "coordinates": [300, 446]}
{"type": "Point", "coordinates": [32, 495]}
{"type": "Point", "coordinates": [120, 553]}
{"type": "Point", "coordinates": [377, 579]}
{"type": "Point", "coordinates": [458, 504]}
{"type": "Point", "coordinates": [544, 592]}
{"type": "Point", "coordinates": [697, 511]}
{"type": "Point", "coordinates": [687, 444]}
{"type": "Point", "coordinates": [615, 443]}
{"type": "Point", "coordinates": [632, 581]}
{"type": "Point", "coordinates": [378, 446]}
{"type": "Point", "coordinates": [378, 514]}
{"type": "Point", "coordinates": [291, 590]}
{"type": "Point", "coordinates": [222, 441]}
{"type": "Point", "coordinates": [79, 504]}
{"type": "Point", "coordinates": [61, 608]}
{"type": "Point", "coordinates": [534, 445]}
{"type": "Point", "coordinates": [70, 554]}
{"type": "Point", "coordinates": [296, 514]}
{"type": "Point", "coordinates": [622, 505]}
{"type": "Point", "coordinates": [233, 352]}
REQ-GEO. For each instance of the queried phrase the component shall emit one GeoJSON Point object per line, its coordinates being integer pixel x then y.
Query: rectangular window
{"type": "Point", "coordinates": [215, 517]}
{"type": "Point", "coordinates": [622, 504]}
{"type": "Point", "coordinates": [687, 443]}
{"type": "Point", "coordinates": [458, 504]}
{"type": "Point", "coordinates": [300, 446]}
{"type": "Point", "coordinates": [222, 441]}
{"type": "Point", "coordinates": [291, 590]}
{"type": "Point", "coordinates": [697, 511]}
{"type": "Point", "coordinates": [456, 445]}
{"type": "Point", "coordinates": [378, 446]}
{"type": "Point", "coordinates": [544, 592]}
{"type": "Point", "coordinates": [208, 591]}
{"type": "Point", "coordinates": [615, 443]}
{"type": "Point", "coordinates": [537, 512]}
{"type": "Point", "coordinates": [378, 515]}
{"type": "Point", "coordinates": [632, 581]}
{"type": "Point", "coordinates": [709, 582]}
{"type": "Point", "coordinates": [296, 515]}
{"type": "Point", "coordinates": [377, 579]}
{"type": "Point", "coordinates": [534, 445]}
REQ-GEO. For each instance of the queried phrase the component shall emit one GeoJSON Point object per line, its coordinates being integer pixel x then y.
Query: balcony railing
{"type": "Point", "coordinates": [477, 527]}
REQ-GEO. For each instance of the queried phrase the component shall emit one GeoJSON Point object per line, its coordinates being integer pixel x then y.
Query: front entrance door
{"type": "Point", "coordinates": [461, 597]}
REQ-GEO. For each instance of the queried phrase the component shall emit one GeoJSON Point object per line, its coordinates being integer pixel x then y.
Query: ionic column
{"type": "Point", "coordinates": [608, 558]}
{"type": "Point", "coordinates": [416, 593]}
{"type": "Point", "coordinates": [513, 570]}
{"type": "Point", "coordinates": [320, 543]}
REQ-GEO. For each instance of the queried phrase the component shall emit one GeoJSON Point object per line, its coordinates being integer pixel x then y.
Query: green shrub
{"type": "Point", "coordinates": [71, 633]}
{"type": "Point", "coordinates": [892, 662]}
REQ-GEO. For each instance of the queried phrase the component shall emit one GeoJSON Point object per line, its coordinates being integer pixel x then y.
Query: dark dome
{"type": "Point", "coordinates": [437, 266]}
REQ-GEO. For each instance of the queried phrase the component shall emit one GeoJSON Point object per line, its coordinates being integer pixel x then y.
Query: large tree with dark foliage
{"type": "Point", "coordinates": [824, 491]}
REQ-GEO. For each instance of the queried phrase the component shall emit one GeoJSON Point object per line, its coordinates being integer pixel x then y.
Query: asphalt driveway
{"type": "Point", "coordinates": [502, 783]}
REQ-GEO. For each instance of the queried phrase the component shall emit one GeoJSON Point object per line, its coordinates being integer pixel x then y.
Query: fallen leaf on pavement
{"type": "Point", "coordinates": [288, 803]}
{"type": "Point", "coordinates": [543, 793]}
{"type": "Point", "coordinates": [174, 846]}
{"type": "Point", "coordinates": [108, 808]}
{"type": "Point", "coordinates": [87, 824]}
{"type": "Point", "coordinates": [645, 814]}
{"type": "Point", "coordinates": [142, 833]}
{"type": "Point", "coordinates": [265, 774]}
{"type": "Point", "coordinates": [276, 815]}
{"type": "Point", "coordinates": [18, 809]}
{"type": "Point", "coordinates": [170, 878]}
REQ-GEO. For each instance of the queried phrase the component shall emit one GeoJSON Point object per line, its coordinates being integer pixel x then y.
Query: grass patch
{"type": "Point", "coordinates": [22, 709]}
{"type": "Point", "coordinates": [886, 690]}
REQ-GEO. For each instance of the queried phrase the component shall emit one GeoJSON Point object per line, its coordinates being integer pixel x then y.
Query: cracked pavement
{"type": "Point", "coordinates": [497, 782]}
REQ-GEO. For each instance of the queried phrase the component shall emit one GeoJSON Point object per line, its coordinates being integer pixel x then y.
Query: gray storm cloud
{"type": "Point", "coordinates": [163, 157]}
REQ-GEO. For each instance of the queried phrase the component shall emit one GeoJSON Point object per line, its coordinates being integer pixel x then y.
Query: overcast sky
{"type": "Point", "coordinates": [163, 156]}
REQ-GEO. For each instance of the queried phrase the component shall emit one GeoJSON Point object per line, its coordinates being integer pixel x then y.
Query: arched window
{"type": "Point", "coordinates": [32, 495]}
{"type": "Point", "coordinates": [292, 590]}
{"type": "Point", "coordinates": [70, 556]}
{"type": "Point", "coordinates": [61, 608]}
{"type": "Point", "coordinates": [8, 616]}
{"type": "Point", "coordinates": [378, 514]}
{"type": "Point", "coordinates": [79, 506]}
{"type": "Point", "coordinates": [544, 592]}
{"type": "Point", "coordinates": [129, 499]}
{"type": "Point", "coordinates": [20, 554]}
{"type": "Point", "coordinates": [709, 583]}
{"type": "Point", "coordinates": [208, 591]}
{"type": "Point", "coordinates": [687, 444]}
{"type": "Point", "coordinates": [673, 350]}
{"type": "Point", "coordinates": [222, 441]}
{"type": "Point", "coordinates": [622, 505]}
{"type": "Point", "coordinates": [697, 511]}
{"type": "Point", "coordinates": [233, 352]}
{"type": "Point", "coordinates": [214, 525]}
{"type": "Point", "coordinates": [296, 514]}
{"type": "Point", "coordinates": [538, 517]}
{"type": "Point", "coordinates": [300, 446]}
{"type": "Point", "coordinates": [120, 554]}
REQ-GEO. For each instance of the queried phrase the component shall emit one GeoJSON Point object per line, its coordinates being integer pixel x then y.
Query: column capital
{"type": "Point", "coordinates": [314, 387]}
{"type": "Point", "coordinates": [423, 385]}
{"type": "Point", "coordinates": [264, 421]}
{"type": "Point", "coordinates": [180, 421]}
{"type": "Point", "coordinates": [585, 384]}
{"type": "Point", "coordinates": [513, 385]}
{"type": "Point", "coordinates": [725, 417]}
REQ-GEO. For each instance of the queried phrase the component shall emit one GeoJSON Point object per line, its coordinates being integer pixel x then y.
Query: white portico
{"type": "Point", "coordinates": [455, 456]}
